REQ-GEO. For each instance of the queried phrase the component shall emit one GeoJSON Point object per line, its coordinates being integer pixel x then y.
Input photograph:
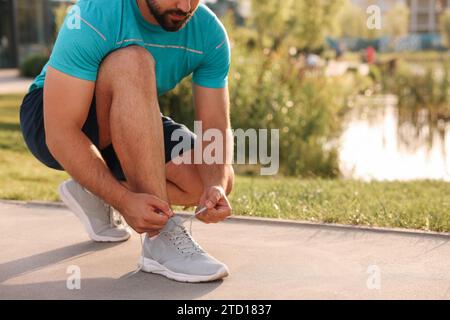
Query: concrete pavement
{"type": "Point", "coordinates": [267, 259]}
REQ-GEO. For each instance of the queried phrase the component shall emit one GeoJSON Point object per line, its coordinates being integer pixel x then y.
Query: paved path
{"type": "Point", "coordinates": [268, 260]}
{"type": "Point", "coordinates": [11, 82]}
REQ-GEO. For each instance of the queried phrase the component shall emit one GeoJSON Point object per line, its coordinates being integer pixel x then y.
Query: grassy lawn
{"type": "Point", "coordinates": [417, 57]}
{"type": "Point", "coordinates": [22, 177]}
{"type": "Point", "coordinates": [419, 205]}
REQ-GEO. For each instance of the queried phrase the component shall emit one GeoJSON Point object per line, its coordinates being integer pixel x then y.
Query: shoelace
{"type": "Point", "coordinates": [187, 238]}
{"type": "Point", "coordinates": [182, 239]}
{"type": "Point", "coordinates": [115, 219]}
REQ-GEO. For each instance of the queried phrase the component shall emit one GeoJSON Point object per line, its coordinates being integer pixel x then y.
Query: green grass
{"type": "Point", "coordinates": [419, 205]}
{"type": "Point", "coordinates": [22, 177]}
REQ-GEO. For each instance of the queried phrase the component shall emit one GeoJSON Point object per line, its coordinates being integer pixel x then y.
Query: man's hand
{"type": "Point", "coordinates": [145, 213]}
{"type": "Point", "coordinates": [216, 202]}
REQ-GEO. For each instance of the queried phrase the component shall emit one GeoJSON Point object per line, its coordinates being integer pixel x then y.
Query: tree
{"type": "Point", "coordinates": [299, 23]}
{"type": "Point", "coordinates": [272, 20]}
{"type": "Point", "coordinates": [445, 27]}
{"type": "Point", "coordinates": [351, 22]}
{"type": "Point", "coordinates": [315, 19]}
{"type": "Point", "coordinates": [396, 21]}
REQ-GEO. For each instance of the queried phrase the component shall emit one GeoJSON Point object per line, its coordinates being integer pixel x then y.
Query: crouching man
{"type": "Point", "coordinates": [93, 112]}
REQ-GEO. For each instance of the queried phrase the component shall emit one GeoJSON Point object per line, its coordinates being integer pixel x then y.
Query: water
{"type": "Point", "coordinates": [375, 145]}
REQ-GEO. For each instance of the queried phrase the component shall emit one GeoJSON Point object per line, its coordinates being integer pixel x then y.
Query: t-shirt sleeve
{"type": "Point", "coordinates": [82, 42]}
{"type": "Point", "coordinates": [213, 70]}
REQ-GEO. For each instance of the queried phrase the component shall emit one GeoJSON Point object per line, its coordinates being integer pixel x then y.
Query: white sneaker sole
{"type": "Point", "coordinates": [152, 266]}
{"type": "Point", "coordinates": [73, 205]}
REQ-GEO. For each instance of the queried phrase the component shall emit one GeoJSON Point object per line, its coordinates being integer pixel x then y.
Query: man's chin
{"type": "Point", "coordinates": [173, 27]}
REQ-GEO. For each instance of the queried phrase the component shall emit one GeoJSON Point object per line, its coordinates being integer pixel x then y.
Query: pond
{"type": "Point", "coordinates": [380, 143]}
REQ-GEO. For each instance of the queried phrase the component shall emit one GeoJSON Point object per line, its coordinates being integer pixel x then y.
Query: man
{"type": "Point", "coordinates": [93, 112]}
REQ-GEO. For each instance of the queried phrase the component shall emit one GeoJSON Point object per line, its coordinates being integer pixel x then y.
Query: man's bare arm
{"type": "Point", "coordinates": [213, 110]}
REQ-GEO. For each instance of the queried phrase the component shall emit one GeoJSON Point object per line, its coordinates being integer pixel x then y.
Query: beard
{"type": "Point", "coordinates": [164, 19]}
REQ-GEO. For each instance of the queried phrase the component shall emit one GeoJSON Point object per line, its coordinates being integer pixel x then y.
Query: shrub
{"type": "Point", "coordinates": [32, 65]}
{"type": "Point", "coordinates": [268, 92]}
{"type": "Point", "coordinates": [269, 89]}
{"type": "Point", "coordinates": [445, 27]}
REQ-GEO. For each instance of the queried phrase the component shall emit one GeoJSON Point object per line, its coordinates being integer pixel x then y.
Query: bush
{"type": "Point", "coordinates": [178, 103]}
{"type": "Point", "coordinates": [269, 89]}
{"type": "Point", "coordinates": [445, 27]}
{"type": "Point", "coordinates": [32, 65]}
{"type": "Point", "coordinates": [268, 92]}
{"type": "Point", "coordinates": [420, 92]}
{"type": "Point", "coordinates": [416, 89]}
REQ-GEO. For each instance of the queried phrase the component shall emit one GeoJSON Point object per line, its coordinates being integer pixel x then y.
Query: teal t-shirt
{"type": "Point", "coordinates": [94, 28]}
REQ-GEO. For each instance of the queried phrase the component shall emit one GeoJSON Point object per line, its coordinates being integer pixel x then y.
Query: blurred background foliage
{"type": "Point", "coordinates": [271, 88]}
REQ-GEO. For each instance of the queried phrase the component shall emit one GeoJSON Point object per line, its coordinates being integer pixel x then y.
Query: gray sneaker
{"type": "Point", "coordinates": [174, 254]}
{"type": "Point", "coordinates": [99, 219]}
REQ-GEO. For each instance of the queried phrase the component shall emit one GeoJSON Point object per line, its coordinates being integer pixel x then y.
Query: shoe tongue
{"type": "Point", "coordinates": [173, 223]}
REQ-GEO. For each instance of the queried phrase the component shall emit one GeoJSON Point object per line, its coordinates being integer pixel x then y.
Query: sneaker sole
{"type": "Point", "coordinates": [152, 266]}
{"type": "Point", "coordinates": [73, 205]}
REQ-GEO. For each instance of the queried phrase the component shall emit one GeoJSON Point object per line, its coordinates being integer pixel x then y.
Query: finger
{"type": "Point", "coordinates": [160, 205]}
{"type": "Point", "coordinates": [223, 212]}
{"type": "Point", "coordinates": [217, 218]}
{"type": "Point", "coordinates": [203, 218]}
{"type": "Point", "coordinates": [199, 211]}
{"type": "Point", "coordinates": [213, 198]}
{"type": "Point", "coordinates": [224, 207]}
{"type": "Point", "coordinates": [152, 233]}
{"type": "Point", "coordinates": [157, 219]}
{"type": "Point", "coordinates": [221, 206]}
{"type": "Point", "coordinates": [214, 215]}
{"type": "Point", "coordinates": [223, 201]}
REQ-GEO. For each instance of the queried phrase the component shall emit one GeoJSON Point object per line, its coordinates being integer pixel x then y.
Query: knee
{"type": "Point", "coordinates": [129, 61]}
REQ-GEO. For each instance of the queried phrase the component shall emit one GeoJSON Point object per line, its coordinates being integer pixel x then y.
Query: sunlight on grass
{"type": "Point", "coordinates": [22, 177]}
{"type": "Point", "coordinates": [419, 205]}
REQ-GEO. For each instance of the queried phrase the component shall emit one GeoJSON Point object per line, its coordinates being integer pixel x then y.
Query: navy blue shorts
{"type": "Point", "coordinates": [32, 126]}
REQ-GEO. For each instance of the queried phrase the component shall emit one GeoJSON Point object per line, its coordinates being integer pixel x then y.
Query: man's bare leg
{"type": "Point", "coordinates": [128, 110]}
{"type": "Point", "coordinates": [129, 118]}
{"type": "Point", "coordinates": [184, 184]}
{"type": "Point", "coordinates": [127, 103]}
